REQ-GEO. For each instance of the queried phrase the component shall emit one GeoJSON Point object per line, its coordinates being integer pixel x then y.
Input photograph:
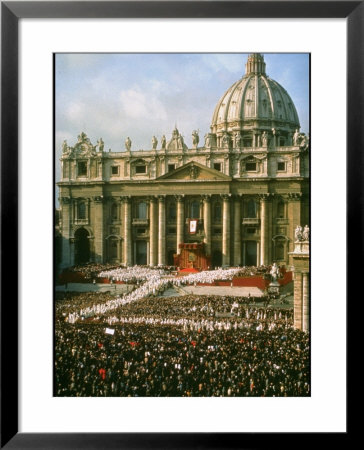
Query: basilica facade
{"type": "Point", "coordinates": [235, 198]}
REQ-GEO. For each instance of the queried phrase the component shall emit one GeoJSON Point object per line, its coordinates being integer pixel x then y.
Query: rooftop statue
{"type": "Point", "coordinates": [163, 142]}
{"type": "Point", "coordinates": [298, 233]}
{"type": "Point", "coordinates": [306, 233]}
{"type": "Point", "coordinates": [195, 138]}
{"type": "Point", "coordinates": [100, 143]}
{"type": "Point", "coordinates": [64, 146]}
{"type": "Point", "coordinates": [128, 144]}
{"type": "Point", "coordinates": [154, 142]}
{"type": "Point", "coordinates": [296, 138]}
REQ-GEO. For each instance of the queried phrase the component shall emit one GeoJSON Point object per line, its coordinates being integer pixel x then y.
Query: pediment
{"type": "Point", "coordinates": [194, 171]}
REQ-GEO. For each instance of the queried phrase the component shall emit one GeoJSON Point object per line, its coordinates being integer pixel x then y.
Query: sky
{"type": "Point", "coordinates": [115, 96]}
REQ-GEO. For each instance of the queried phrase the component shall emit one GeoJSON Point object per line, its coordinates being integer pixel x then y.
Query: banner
{"type": "Point", "coordinates": [109, 331]}
{"type": "Point", "coordinates": [193, 226]}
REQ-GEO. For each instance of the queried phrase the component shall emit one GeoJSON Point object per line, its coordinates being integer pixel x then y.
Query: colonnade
{"type": "Point", "coordinates": [230, 240]}
{"type": "Point", "coordinates": [232, 245]}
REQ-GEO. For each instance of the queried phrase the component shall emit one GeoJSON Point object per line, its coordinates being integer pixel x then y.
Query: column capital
{"type": "Point", "coordinates": [225, 197]}
{"type": "Point", "coordinates": [125, 198]}
{"type": "Point", "coordinates": [179, 197]}
{"type": "Point", "coordinates": [161, 198]}
{"type": "Point", "coordinates": [265, 197]}
{"type": "Point", "coordinates": [98, 199]}
{"type": "Point", "coordinates": [206, 197]}
{"type": "Point", "coordinates": [294, 196]}
{"type": "Point", "coordinates": [237, 197]}
{"type": "Point", "coordinates": [152, 198]}
{"type": "Point", "coordinates": [65, 200]}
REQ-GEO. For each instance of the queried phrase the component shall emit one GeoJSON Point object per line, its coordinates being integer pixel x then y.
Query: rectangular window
{"type": "Point", "coordinates": [141, 169]}
{"type": "Point", "coordinates": [141, 230]}
{"type": "Point", "coordinates": [172, 230]}
{"type": "Point", "coordinates": [251, 167]}
{"type": "Point", "coordinates": [114, 170]}
{"type": "Point", "coordinates": [82, 169]}
{"type": "Point", "coordinates": [250, 230]}
{"type": "Point", "coordinates": [217, 166]}
{"type": "Point", "coordinates": [281, 166]}
{"type": "Point", "coordinates": [217, 230]}
{"type": "Point", "coordinates": [171, 167]}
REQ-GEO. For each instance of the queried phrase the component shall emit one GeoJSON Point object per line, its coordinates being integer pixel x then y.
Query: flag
{"type": "Point", "coordinates": [193, 226]}
{"type": "Point", "coordinates": [109, 331]}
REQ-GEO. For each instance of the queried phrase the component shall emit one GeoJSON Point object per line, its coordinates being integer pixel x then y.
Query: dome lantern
{"type": "Point", "coordinates": [255, 64]}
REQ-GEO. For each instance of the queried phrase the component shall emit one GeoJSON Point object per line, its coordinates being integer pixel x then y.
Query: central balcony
{"type": "Point", "coordinates": [251, 221]}
{"type": "Point", "coordinates": [144, 222]}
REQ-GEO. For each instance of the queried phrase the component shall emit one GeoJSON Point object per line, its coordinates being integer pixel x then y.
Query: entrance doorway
{"type": "Point", "coordinates": [113, 250]}
{"type": "Point", "coordinates": [141, 252]}
{"type": "Point", "coordinates": [216, 260]}
{"type": "Point", "coordinates": [251, 253]}
{"type": "Point", "coordinates": [82, 246]}
{"type": "Point", "coordinates": [170, 257]}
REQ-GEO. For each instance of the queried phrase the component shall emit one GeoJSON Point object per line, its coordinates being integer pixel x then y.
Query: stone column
{"type": "Point", "coordinates": [264, 230]}
{"type": "Point", "coordinates": [128, 255]}
{"type": "Point", "coordinates": [99, 228]}
{"type": "Point", "coordinates": [153, 232]}
{"type": "Point", "coordinates": [207, 223]}
{"type": "Point", "coordinates": [237, 230]}
{"type": "Point", "coordinates": [294, 214]}
{"type": "Point", "coordinates": [301, 263]}
{"type": "Point", "coordinates": [161, 230]}
{"type": "Point", "coordinates": [66, 231]}
{"type": "Point", "coordinates": [305, 302]}
{"type": "Point", "coordinates": [297, 321]}
{"type": "Point", "coordinates": [226, 230]}
{"type": "Point", "coordinates": [180, 221]}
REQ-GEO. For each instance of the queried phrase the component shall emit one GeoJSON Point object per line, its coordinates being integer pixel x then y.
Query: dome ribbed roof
{"type": "Point", "coordinates": [255, 99]}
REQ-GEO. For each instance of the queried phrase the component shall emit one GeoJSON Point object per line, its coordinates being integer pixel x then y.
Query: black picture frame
{"type": "Point", "coordinates": [11, 12]}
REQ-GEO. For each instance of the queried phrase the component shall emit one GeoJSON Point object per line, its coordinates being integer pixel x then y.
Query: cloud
{"type": "Point", "coordinates": [141, 105]}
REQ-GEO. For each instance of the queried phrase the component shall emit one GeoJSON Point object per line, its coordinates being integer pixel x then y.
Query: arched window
{"type": "Point", "coordinates": [195, 210]}
{"type": "Point", "coordinates": [113, 249]}
{"type": "Point", "coordinates": [172, 211]}
{"type": "Point", "coordinates": [217, 212]}
{"type": "Point", "coordinates": [114, 211]}
{"type": "Point", "coordinates": [280, 210]}
{"type": "Point", "coordinates": [279, 251]}
{"type": "Point", "coordinates": [142, 210]}
{"type": "Point", "coordinates": [252, 209]}
{"type": "Point", "coordinates": [81, 211]}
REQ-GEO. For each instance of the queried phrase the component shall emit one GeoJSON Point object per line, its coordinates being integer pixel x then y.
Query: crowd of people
{"type": "Point", "coordinates": [155, 282]}
{"type": "Point", "coordinates": [163, 360]}
{"type": "Point", "coordinates": [132, 275]}
{"type": "Point", "coordinates": [143, 344]}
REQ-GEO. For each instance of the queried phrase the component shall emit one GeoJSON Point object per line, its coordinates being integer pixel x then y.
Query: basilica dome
{"type": "Point", "coordinates": [256, 103]}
